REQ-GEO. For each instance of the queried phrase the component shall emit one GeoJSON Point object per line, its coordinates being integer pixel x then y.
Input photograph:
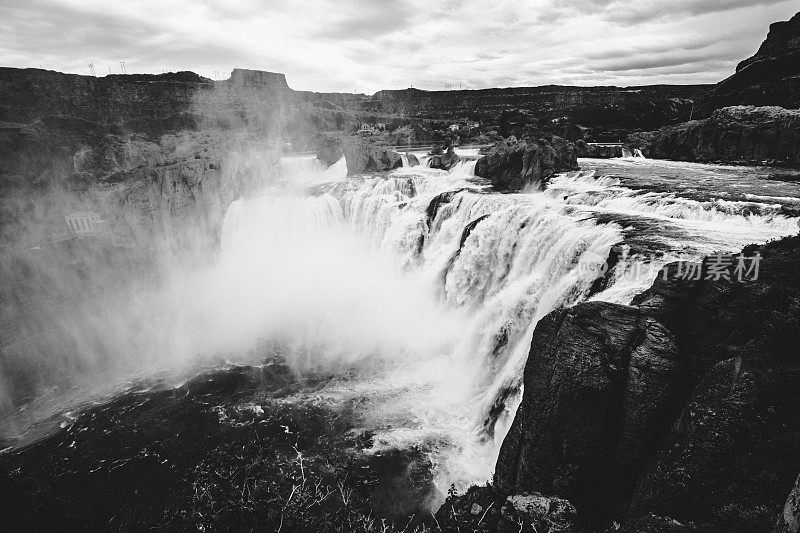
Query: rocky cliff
{"type": "Point", "coordinates": [731, 134]}
{"type": "Point", "coordinates": [770, 77]}
{"type": "Point", "coordinates": [684, 406]}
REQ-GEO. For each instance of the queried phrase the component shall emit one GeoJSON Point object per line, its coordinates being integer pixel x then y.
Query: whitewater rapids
{"type": "Point", "coordinates": [423, 287]}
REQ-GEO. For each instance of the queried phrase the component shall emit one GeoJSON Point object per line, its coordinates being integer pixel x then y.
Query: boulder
{"type": "Point", "coordinates": [329, 150]}
{"type": "Point", "coordinates": [360, 154]}
{"type": "Point", "coordinates": [412, 159]}
{"type": "Point", "coordinates": [443, 161]}
{"type": "Point", "coordinates": [516, 164]}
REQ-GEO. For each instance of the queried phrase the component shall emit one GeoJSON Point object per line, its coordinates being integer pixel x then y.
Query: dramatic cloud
{"type": "Point", "coordinates": [367, 45]}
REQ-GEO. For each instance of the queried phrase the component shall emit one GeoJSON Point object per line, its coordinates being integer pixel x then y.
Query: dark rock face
{"type": "Point", "coordinates": [412, 159]}
{"type": "Point", "coordinates": [444, 161]}
{"type": "Point", "coordinates": [597, 388]}
{"type": "Point", "coordinates": [732, 134]}
{"type": "Point", "coordinates": [515, 164]}
{"type": "Point", "coordinates": [680, 411]}
{"type": "Point", "coordinates": [362, 156]}
{"type": "Point", "coordinates": [771, 76]}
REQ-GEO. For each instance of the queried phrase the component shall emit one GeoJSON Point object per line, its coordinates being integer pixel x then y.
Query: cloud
{"type": "Point", "coordinates": [368, 45]}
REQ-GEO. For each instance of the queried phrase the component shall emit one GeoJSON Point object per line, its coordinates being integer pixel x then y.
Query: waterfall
{"type": "Point", "coordinates": [501, 262]}
{"type": "Point", "coordinates": [309, 170]}
{"type": "Point", "coordinates": [404, 158]}
{"type": "Point", "coordinates": [627, 152]}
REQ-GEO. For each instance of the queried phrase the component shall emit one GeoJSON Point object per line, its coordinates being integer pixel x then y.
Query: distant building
{"type": "Point", "coordinates": [454, 127]}
{"type": "Point", "coordinates": [85, 223]}
{"type": "Point", "coordinates": [366, 128]}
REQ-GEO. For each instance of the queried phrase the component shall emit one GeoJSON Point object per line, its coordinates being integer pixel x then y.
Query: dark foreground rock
{"type": "Point", "coordinates": [681, 411]}
{"type": "Point", "coordinates": [486, 509]}
{"type": "Point", "coordinates": [740, 134]}
{"type": "Point", "coordinates": [516, 164]}
{"type": "Point", "coordinates": [230, 449]}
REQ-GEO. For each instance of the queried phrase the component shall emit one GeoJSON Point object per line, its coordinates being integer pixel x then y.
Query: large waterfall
{"type": "Point", "coordinates": [423, 287]}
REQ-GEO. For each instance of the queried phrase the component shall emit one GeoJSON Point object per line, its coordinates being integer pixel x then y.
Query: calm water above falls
{"type": "Point", "coordinates": [435, 303]}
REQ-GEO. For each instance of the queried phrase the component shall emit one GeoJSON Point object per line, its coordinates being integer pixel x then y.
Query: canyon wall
{"type": "Point", "coordinates": [602, 109]}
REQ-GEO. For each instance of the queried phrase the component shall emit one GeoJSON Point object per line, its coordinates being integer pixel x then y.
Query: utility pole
{"type": "Point", "coordinates": [122, 67]}
{"type": "Point", "coordinates": [91, 69]}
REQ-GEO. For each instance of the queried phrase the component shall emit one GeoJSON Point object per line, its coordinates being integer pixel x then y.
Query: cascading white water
{"type": "Point", "coordinates": [426, 287]}
{"type": "Point", "coordinates": [494, 265]}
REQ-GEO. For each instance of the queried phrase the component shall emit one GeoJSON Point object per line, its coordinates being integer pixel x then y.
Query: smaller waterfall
{"type": "Point", "coordinates": [404, 159]}
{"type": "Point", "coordinates": [465, 167]}
{"type": "Point", "coordinates": [628, 153]}
{"type": "Point", "coordinates": [307, 170]}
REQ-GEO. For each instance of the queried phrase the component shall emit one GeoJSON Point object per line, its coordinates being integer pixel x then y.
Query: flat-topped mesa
{"type": "Point", "coordinates": [258, 78]}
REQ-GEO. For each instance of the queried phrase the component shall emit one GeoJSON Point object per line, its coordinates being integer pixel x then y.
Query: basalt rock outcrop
{"type": "Point", "coordinates": [360, 153]}
{"type": "Point", "coordinates": [444, 160]}
{"type": "Point", "coordinates": [680, 412]}
{"type": "Point", "coordinates": [732, 134]}
{"type": "Point", "coordinates": [516, 164]}
{"type": "Point", "coordinates": [770, 77]}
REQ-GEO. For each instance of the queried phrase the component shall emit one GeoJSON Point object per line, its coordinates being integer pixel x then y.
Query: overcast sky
{"type": "Point", "coordinates": [367, 45]}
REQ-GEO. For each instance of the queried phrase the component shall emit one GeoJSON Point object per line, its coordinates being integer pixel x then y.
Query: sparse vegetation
{"type": "Point", "coordinates": [234, 449]}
